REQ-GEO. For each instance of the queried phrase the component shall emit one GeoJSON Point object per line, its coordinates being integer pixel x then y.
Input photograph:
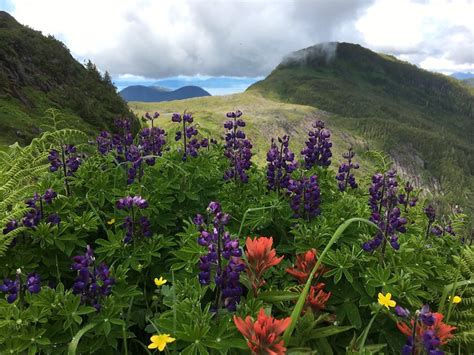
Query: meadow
{"type": "Point", "coordinates": [205, 233]}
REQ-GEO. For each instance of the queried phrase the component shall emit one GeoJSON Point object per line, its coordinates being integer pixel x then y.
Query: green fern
{"type": "Point", "coordinates": [462, 314]}
{"type": "Point", "coordinates": [20, 169]}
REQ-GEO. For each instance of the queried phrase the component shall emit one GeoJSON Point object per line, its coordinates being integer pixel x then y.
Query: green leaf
{"type": "Point", "coordinates": [278, 296]}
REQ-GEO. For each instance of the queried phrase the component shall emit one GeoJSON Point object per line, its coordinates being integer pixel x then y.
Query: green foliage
{"type": "Point", "coordinates": [37, 73]}
{"type": "Point", "coordinates": [58, 321]}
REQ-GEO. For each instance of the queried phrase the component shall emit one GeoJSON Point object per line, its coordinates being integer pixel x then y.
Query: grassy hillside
{"type": "Point", "coordinates": [37, 73]}
{"type": "Point", "coordinates": [417, 116]}
{"type": "Point", "coordinates": [265, 119]}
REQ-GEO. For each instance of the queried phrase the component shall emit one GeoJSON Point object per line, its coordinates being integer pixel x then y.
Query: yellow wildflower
{"type": "Point", "coordinates": [112, 221]}
{"type": "Point", "coordinates": [455, 300]}
{"type": "Point", "coordinates": [160, 281]}
{"type": "Point", "coordinates": [386, 300]}
{"type": "Point", "coordinates": [159, 341]}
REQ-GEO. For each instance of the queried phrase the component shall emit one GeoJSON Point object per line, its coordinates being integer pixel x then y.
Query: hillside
{"type": "Point", "coordinates": [158, 94]}
{"type": "Point", "coordinates": [38, 73]}
{"type": "Point", "coordinates": [417, 116]}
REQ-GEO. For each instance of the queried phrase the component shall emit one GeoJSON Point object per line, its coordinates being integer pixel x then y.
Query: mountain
{"type": "Point", "coordinates": [38, 73]}
{"type": "Point", "coordinates": [420, 118]}
{"type": "Point", "coordinates": [158, 94]}
{"type": "Point", "coordinates": [462, 75]}
{"type": "Point", "coordinates": [469, 82]}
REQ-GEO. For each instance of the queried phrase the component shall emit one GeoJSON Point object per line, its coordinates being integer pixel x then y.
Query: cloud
{"type": "Point", "coordinates": [166, 38]}
{"type": "Point", "coordinates": [436, 35]}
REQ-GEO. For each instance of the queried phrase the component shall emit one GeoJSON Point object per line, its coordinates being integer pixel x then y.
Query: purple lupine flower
{"type": "Point", "coordinates": [305, 197]}
{"type": "Point", "coordinates": [430, 212]}
{"type": "Point", "coordinates": [11, 288]}
{"type": "Point", "coordinates": [430, 341]}
{"type": "Point", "coordinates": [281, 163]}
{"type": "Point", "coordinates": [10, 226]}
{"type": "Point", "coordinates": [151, 142]}
{"type": "Point", "coordinates": [318, 147]}
{"type": "Point", "coordinates": [93, 282]}
{"type": "Point", "coordinates": [449, 229]}
{"type": "Point", "coordinates": [426, 316]}
{"type": "Point", "coordinates": [190, 145]}
{"type": "Point", "coordinates": [151, 118]}
{"type": "Point", "coordinates": [402, 312]}
{"type": "Point", "coordinates": [238, 149]}
{"type": "Point", "coordinates": [134, 224]}
{"type": "Point", "coordinates": [386, 215]}
{"type": "Point", "coordinates": [405, 199]}
{"type": "Point", "coordinates": [49, 195]}
{"type": "Point", "coordinates": [67, 159]}
{"type": "Point", "coordinates": [33, 283]}
{"type": "Point", "coordinates": [436, 230]}
{"type": "Point", "coordinates": [344, 175]}
{"type": "Point", "coordinates": [36, 213]}
{"type": "Point", "coordinates": [223, 258]}
{"type": "Point", "coordinates": [104, 142]}
{"type": "Point", "coordinates": [54, 219]}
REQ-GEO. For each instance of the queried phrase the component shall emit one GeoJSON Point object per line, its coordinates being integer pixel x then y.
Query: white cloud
{"type": "Point", "coordinates": [438, 35]}
{"type": "Point", "coordinates": [163, 38]}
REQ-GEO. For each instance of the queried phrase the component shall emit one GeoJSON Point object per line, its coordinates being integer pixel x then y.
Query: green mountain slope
{"type": "Point", "coordinates": [419, 117]}
{"type": "Point", "coordinates": [37, 73]}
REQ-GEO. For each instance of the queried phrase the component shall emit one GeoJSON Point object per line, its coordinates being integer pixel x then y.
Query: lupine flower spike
{"type": "Point", "coordinates": [344, 176]}
{"type": "Point", "coordinates": [66, 160]}
{"type": "Point", "coordinates": [383, 202]}
{"type": "Point", "coordinates": [281, 163]}
{"type": "Point", "coordinates": [188, 131]}
{"type": "Point", "coordinates": [93, 281]}
{"type": "Point", "coordinates": [134, 224]}
{"type": "Point", "coordinates": [305, 197]}
{"type": "Point", "coordinates": [223, 258]}
{"type": "Point", "coordinates": [261, 256]}
{"type": "Point", "coordinates": [263, 335]}
{"type": "Point", "coordinates": [238, 149]}
{"type": "Point", "coordinates": [318, 147]}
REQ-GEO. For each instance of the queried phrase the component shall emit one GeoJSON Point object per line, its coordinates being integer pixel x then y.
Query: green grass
{"type": "Point", "coordinates": [264, 118]}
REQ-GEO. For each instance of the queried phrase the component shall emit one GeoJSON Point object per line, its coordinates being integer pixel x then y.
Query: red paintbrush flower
{"type": "Point", "coordinates": [317, 298]}
{"type": "Point", "coordinates": [260, 257]}
{"type": "Point", "coordinates": [263, 335]}
{"type": "Point", "coordinates": [304, 265]}
{"type": "Point", "coordinates": [441, 330]}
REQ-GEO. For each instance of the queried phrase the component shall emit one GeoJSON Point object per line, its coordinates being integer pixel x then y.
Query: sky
{"type": "Point", "coordinates": [238, 42]}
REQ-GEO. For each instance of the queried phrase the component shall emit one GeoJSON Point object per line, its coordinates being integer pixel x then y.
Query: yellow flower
{"type": "Point", "coordinates": [455, 300]}
{"type": "Point", "coordinates": [159, 341]}
{"type": "Point", "coordinates": [387, 300]}
{"type": "Point", "coordinates": [112, 221]}
{"type": "Point", "coordinates": [160, 282]}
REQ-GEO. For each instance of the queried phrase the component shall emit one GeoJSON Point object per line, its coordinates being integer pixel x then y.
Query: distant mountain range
{"type": "Point", "coordinates": [462, 76]}
{"type": "Point", "coordinates": [159, 94]}
{"type": "Point", "coordinates": [38, 73]}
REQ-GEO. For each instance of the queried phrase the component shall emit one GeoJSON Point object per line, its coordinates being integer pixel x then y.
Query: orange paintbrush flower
{"type": "Point", "coordinates": [263, 335]}
{"type": "Point", "coordinates": [260, 257]}
{"type": "Point", "coordinates": [440, 329]}
{"type": "Point", "coordinates": [317, 298]}
{"type": "Point", "coordinates": [304, 264]}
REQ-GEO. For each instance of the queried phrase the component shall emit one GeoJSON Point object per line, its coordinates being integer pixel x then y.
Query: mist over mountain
{"type": "Point", "coordinates": [158, 94]}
